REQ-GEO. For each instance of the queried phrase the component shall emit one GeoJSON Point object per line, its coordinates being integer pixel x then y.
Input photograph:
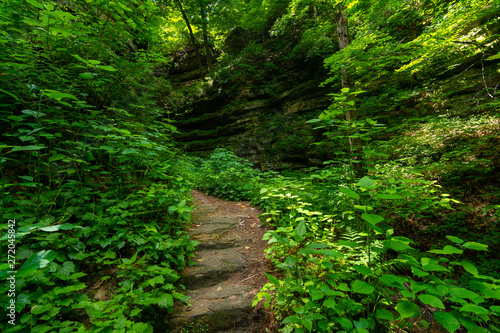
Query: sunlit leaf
{"type": "Point", "coordinates": [32, 147]}
{"type": "Point", "coordinates": [362, 287]}
{"type": "Point", "coordinates": [349, 192]}
{"type": "Point", "coordinates": [476, 246]}
{"type": "Point", "coordinates": [431, 300]}
{"type": "Point", "coordinates": [469, 268]}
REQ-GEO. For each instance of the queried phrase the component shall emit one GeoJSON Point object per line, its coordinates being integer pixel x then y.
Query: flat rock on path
{"type": "Point", "coordinates": [228, 269]}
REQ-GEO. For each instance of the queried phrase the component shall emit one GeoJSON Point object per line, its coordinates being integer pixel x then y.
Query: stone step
{"type": "Point", "coordinates": [219, 308]}
{"type": "Point", "coordinates": [216, 241]}
{"type": "Point", "coordinates": [214, 225]}
{"type": "Point", "coordinates": [213, 266]}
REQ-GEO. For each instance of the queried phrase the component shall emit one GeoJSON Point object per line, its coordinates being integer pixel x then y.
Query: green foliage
{"type": "Point", "coordinates": [224, 175]}
{"type": "Point", "coordinates": [340, 270]}
{"type": "Point", "coordinates": [88, 170]}
{"type": "Point", "coordinates": [343, 266]}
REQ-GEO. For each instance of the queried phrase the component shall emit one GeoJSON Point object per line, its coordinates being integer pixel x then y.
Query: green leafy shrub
{"type": "Point", "coordinates": [341, 271]}
{"type": "Point", "coordinates": [226, 175]}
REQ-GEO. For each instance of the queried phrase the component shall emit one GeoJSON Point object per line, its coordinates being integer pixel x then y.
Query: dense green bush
{"type": "Point", "coordinates": [224, 175]}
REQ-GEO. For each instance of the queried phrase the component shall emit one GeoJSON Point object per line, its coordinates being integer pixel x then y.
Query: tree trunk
{"type": "Point", "coordinates": [351, 112]}
{"type": "Point", "coordinates": [205, 38]}
{"type": "Point", "coordinates": [193, 40]}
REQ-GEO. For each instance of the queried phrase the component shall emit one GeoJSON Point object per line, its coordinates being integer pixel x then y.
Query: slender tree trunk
{"type": "Point", "coordinates": [343, 32]}
{"type": "Point", "coordinates": [193, 40]}
{"type": "Point", "coordinates": [351, 112]}
{"type": "Point", "coordinates": [205, 38]}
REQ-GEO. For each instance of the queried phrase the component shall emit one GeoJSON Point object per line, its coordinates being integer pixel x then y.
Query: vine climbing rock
{"type": "Point", "coordinates": [228, 269]}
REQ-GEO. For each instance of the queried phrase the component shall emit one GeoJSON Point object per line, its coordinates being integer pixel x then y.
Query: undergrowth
{"type": "Point", "coordinates": [340, 244]}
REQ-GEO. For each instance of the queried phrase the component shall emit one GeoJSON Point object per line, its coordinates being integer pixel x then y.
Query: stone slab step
{"type": "Point", "coordinates": [222, 307]}
{"type": "Point", "coordinates": [214, 225]}
{"type": "Point", "coordinates": [224, 240]}
{"type": "Point", "coordinates": [213, 266]}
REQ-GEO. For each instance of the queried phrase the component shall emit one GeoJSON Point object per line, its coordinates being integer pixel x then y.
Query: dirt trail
{"type": "Point", "coordinates": [229, 269]}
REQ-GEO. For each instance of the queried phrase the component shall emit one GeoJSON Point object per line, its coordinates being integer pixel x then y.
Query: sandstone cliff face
{"type": "Point", "coordinates": [260, 111]}
{"type": "Point", "coordinates": [266, 127]}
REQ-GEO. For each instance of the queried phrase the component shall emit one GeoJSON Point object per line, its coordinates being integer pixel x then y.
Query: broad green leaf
{"type": "Point", "coordinates": [86, 75]}
{"type": "Point", "coordinates": [290, 261]}
{"type": "Point", "coordinates": [56, 157]}
{"type": "Point", "coordinates": [455, 240]}
{"type": "Point", "coordinates": [60, 227]}
{"type": "Point", "coordinates": [80, 59]}
{"type": "Point", "coordinates": [392, 280]}
{"type": "Point", "coordinates": [361, 324]}
{"type": "Point", "coordinates": [363, 270]}
{"type": "Point", "coordinates": [307, 323]}
{"type": "Point", "coordinates": [291, 320]}
{"type": "Point", "coordinates": [367, 183]}
{"type": "Point", "coordinates": [120, 322]}
{"type": "Point", "coordinates": [64, 32]}
{"type": "Point", "coordinates": [348, 243]}
{"type": "Point", "coordinates": [35, 262]}
{"type": "Point", "coordinates": [129, 151]}
{"type": "Point", "coordinates": [431, 300]}
{"type": "Point", "coordinates": [418, 286]}
{"type": "Point", "coordinates": [316, 295]}
{"type": "Point", "coordinates": [349, 192]}
{"type": "Point", "coordinates": [58, 95]}
{"type": "Point", "coordinates": [478, 310]}
{"type": "Point", "coordinates": [435, 268]}
{"type": "Point", "coordinates": [300, 230]}
{"type": "Point", "coordinates": [94, 62]}
{"type": "Point", "coordinates": [165, 301]}
{"type": "Point", "coordinates": [364, 208]}
{"type": "Point", "coordinates": [469, 268]}
{"type": "Point", "coordinates": [159, 279]}
{"type": "Point", "coordinates": [397, 245]}
{"type": "Point", "coordinates": [384, 314]}
{"type": "Point", "coordinates": [447, 320]}
{"type": "Point", "coordinates": [31, 147]}
{"type": "Point", "coordinates": [463, 293]}
{"type": "Point", "coordinates": [476, 246]}
{"type": "Point", "coordinates": [407, 309]}
{"type": "Point", "coordinates": [67, 268]}
{"type": "Point", "coordinates": [362, 287]}
{"type": "Point", "coordinates": [33, 23]}
{"type": "Point", "coordinates": [108, 68]}
{"type": "Point", "coordinates": [494, 57]}
{"type": "Point", "coordinates": [345, 323]}
{"type": "Point", "coordinates": [372, 218]}
{"type": "Point", "coordinates": [447, 250]}
{"type": "Point", "coordinates": [26, 138]}
{"type": "Point", "coordinates": [330, 303]}
{"type": "Point", "coordinates": [35, 3]}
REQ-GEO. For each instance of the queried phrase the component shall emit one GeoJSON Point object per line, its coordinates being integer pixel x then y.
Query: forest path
{"type": "Point", "coordinates": [229, 269]}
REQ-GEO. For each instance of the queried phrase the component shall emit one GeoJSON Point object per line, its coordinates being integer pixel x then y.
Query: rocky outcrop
{"type": "Point", "coordinates": [258, 107]}
{"type": "Point", "coordinates": [264, 122]}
